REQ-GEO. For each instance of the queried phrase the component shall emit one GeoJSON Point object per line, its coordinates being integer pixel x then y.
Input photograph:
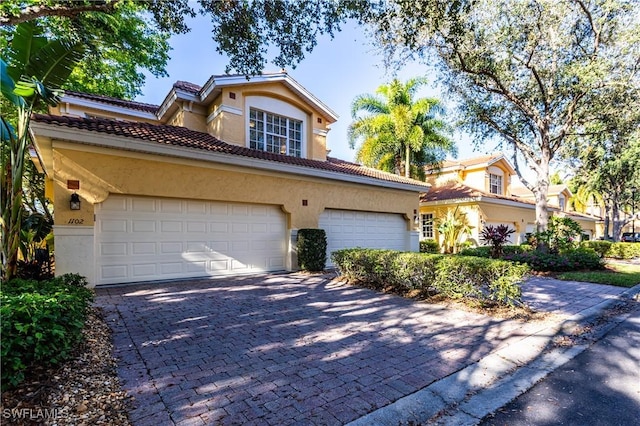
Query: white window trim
{"type": "Point", "coordinates": [500, 186]}
{"type": "Point", "coordinates": [277, 107]}
{"type": "Point", "coordinates": [423, 225]}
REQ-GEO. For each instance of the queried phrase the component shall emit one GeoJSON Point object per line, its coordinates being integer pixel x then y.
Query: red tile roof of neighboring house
{"type": "Point", "coordinates": [181, 136]}
{"type": "Point", "coordinates": [456, 191]}
{"type": "Point", "coordinates": [187, 86]}
{"type": "Point", "coordinates": [113, 101]}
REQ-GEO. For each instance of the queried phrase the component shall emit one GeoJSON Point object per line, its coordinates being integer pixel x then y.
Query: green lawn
{"type": "Point", "coordinates": [618, 274]}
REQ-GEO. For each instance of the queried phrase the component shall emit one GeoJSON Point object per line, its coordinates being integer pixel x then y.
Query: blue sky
{"type": "Point", "coordinates": [336, 72]}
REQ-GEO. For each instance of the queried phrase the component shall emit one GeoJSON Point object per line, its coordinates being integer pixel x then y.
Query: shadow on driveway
{"type": "Point", "coordinates": [284, 349]}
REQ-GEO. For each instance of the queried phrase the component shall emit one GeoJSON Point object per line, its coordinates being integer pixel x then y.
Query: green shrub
{"type": "Point", "coordinates": [624, 250]}
{"type": "Point", "coordinates": [600, 247]}
{"type": "Point", "coordinates": [452, 276]}
{"type": "Point", "coordinates": [481, 251]}
{"type": "Point", "coordinates": [480, 278]}
{"type": "Point", "coordinates": [429, 246]}
{"type": "Point", "coordinates": [496, 237]}
{"type": "Point", "coordinates": [41, 323]}
{"type": "Point", "coordinates": [312, 249]}
{"type": "Point", "coordinates": [571, 260]}
{"type": "Point", "coordinates": [485, 251]}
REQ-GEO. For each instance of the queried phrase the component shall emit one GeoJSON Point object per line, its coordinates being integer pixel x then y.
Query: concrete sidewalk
{"type": "Point", "coordinates": [302, 349]}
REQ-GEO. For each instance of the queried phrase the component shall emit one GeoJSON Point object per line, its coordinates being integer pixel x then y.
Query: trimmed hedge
{"type": "Point", "coordinates": [41, 323]}
{"type": "Point", "coordinates": [485, 251]}
{"type": "Point", "coordinates": [429, 246]}
{"type": "Point", "coordinates": [624, 251]}
{"type": "Point", "coordinates": [452, 276]}
{"type": "Point", "coordinates": [571, 260]}
{"type": "Point", "coordinates": [600, 247]}
{"type": "Point", "coordinates": [312, 249]}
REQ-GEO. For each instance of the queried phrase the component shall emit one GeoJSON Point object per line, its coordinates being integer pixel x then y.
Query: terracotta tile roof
{"type": "Point", "coordinates": [113, 101]}
{"type": "Point", "coordinates": [181, 136]}
{"type": "Point", "coordinates": [187, 86]}
{"type": "Point", "coordinates": [456, 191]}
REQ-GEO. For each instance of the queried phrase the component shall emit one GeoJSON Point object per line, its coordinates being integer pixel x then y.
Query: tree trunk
{"type": "Point", "coordinates": [407, 162]}
{"type": "Point", "coordinates": [541, 192]}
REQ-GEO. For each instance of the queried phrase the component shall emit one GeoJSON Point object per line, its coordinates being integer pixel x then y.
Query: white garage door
{"type": "Point", "coordinates": [347, 229]}
{"type": "Point", "coordinates": [143, 239]}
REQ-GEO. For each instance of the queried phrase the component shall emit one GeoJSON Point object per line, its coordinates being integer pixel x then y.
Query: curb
{"type": "Point", "coordinates": [481, 388]}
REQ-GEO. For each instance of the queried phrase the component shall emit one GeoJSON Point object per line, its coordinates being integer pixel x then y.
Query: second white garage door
{"type": "Point", "coordinates": [347, 229]}
{"type": "Point", "coordinates": [143, 239]}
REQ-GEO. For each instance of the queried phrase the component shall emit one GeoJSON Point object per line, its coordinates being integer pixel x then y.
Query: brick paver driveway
{"type": "Point", "coordinates": [284, 349]}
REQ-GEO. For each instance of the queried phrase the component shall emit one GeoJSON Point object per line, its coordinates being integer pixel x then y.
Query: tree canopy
{"type": "Point", "coordinates": [534, 74]}
{"type": "Point", "coordinates": [121, 39]}
{"type": "Point", "coordinates": [398, 133]}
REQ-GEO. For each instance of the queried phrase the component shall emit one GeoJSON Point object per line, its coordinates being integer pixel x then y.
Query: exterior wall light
{"type": "Point", "coordinates": [74, 203]}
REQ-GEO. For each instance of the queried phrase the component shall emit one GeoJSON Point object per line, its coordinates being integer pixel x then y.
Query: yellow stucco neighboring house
{"type": "Point", "coordinates": [481, 188]}
{"type": "Point", "coordinates": [214, 181]}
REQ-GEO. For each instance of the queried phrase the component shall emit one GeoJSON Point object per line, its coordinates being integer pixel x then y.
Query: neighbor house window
{"type": "Point", "coordinates": [427, 226]}
{"type": "Point", "coordinates": [495, 184]}
{"type": "Point", "coordinates": [561, 202]}
{"type": "Point", "coordinates": [275, 133]}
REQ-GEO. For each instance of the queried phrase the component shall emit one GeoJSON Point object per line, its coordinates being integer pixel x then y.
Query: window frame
{"type": "Point", "coordinates": [427, 226]}
{"type": "Point", "coordinates": [275, 129]}
{"type": "Point", "coordinates": [499, 184]}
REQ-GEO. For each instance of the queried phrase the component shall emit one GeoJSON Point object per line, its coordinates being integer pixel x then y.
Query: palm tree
{"type": "Point", "coordinates": [399, 134]}
{"type": "Point", "coordinates": [36, 67]}
{"type": "Point", "coordinates": [452, 226]}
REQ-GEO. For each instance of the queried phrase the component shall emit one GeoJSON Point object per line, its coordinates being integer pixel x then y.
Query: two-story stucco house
{"type": "Point", "coordinates": [481, 187]}
{"type": "Point", "coordinates": [214, 181]}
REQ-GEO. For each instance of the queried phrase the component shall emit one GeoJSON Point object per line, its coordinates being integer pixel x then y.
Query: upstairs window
{"type": "Point", "coordinates": [427, 226]}
{"type": "Point", "coordinates": [561, 202]}
{"type": "Point", "coordinates": [275, 133]}
{"type": "Point", "coordinates": [495, 184]}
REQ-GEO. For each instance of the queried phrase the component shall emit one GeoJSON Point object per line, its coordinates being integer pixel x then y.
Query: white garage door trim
{"type": "Point", "coordinates": [348, 229]}
{"type": "Point", "coordinates": [145, 239]}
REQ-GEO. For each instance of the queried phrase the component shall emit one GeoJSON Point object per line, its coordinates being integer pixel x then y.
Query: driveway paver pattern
{"type": "Point", "coordinates": [291, 348]}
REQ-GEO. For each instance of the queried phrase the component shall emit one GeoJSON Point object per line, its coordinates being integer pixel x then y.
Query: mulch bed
{"type": "Point", "coordinates": [85, 390]}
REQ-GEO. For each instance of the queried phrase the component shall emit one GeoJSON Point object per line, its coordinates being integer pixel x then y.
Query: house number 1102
{"type": "Point", "coordinates": [75, 221]}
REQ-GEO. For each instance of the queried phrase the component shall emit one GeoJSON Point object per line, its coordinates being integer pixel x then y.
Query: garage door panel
{"type": "Point", "coordinates": [171, 226]}
{"type": "Point", "coordinates": [147, 205]}
{"type": "Point", "coordinates": [171, 206]}
{"type": "Point", "coordinates": [347, 229]}
{"type": "Point", "coordinates": [144, 248]}
{"type": "Point", "coordinates": [140, 239]}
{"type": "Point", "coordinates": [143, 226]}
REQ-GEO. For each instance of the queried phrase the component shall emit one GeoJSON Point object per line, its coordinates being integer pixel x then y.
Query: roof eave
{"type": "Point", "coordinates": [216, 83]}
{"type": "Point", "coordinates": [137, 145]}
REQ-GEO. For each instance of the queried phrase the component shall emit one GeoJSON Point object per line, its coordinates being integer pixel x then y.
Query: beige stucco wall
{"type": "Point", "coordinates": [230, 123]}
{"type": "Point", "coordinates": [149, 175]}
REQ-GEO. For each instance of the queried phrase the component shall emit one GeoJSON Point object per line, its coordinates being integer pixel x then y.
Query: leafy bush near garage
{"type": "Point", "coordinates": [429, 246]}
{"type": "Point", "coordinates": [624, 251]}
{"type": "Point", "coordinates": [600, 247]}
{"type": "Point", "coordinates": [571, 260]}
{"type": "Point", "coordinates": [451, 276]}
{"type": "Point", "coordinates": [41, 323]}
{"type": "Point", "coordinates": [485, 251]}
{"type": "Point", "coordinates": [312, 249]}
